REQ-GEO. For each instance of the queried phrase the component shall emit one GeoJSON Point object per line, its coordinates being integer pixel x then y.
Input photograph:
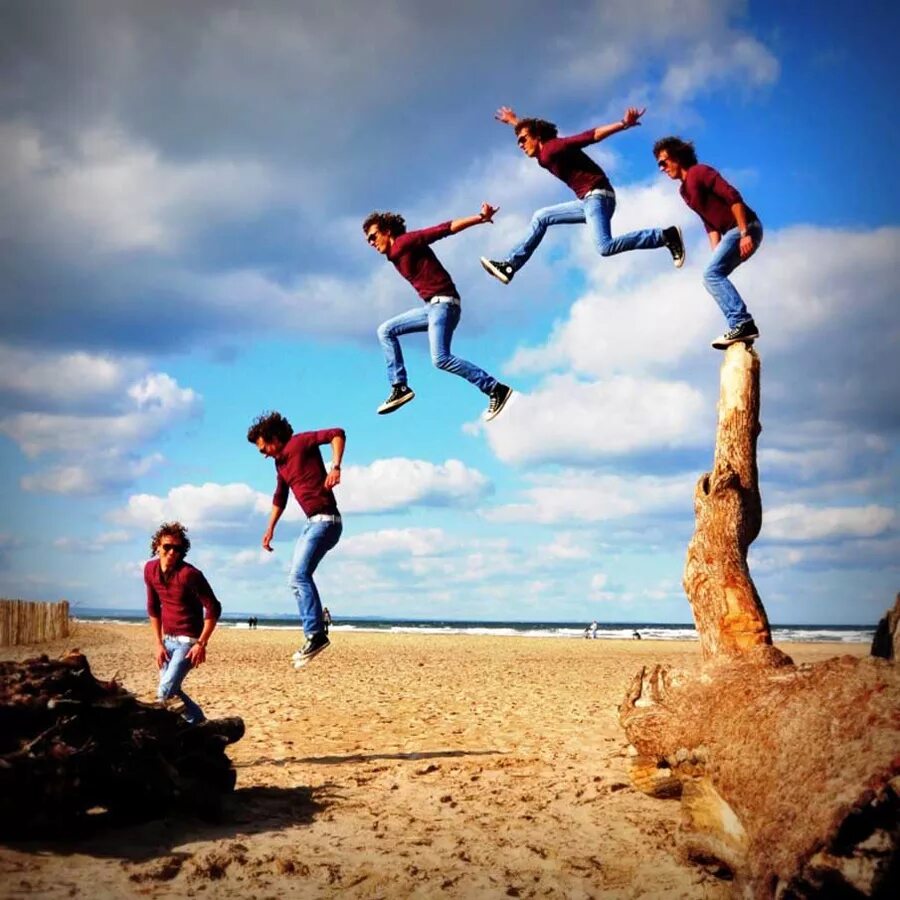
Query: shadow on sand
{"type": "Point", "coordinates": [249, 810]}
{"type": "Point", "coordinates": [365, 757]}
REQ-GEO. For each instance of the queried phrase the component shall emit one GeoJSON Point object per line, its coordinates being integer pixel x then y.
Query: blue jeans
{"type": "Point", "coordinates": [314, 542]}
{"type": "Point", "coordinates": [440, 321]}
{"type": "Point", "coordinates": [597, 210]}
{"type": "Point", "coordinates": [725, 259]}
{"type": "Point", "coordinates": [172, 674]}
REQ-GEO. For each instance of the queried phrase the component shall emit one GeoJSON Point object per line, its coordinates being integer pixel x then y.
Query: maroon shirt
{"type": "Point", "coordinates": [416, 262]}
{"type": "Point", "coordinates": [300, 468]}
{"type": "Point", "coordinates": [179, 598]}
{"type": "Point", "coordinates": [709, 195]}
{"type": "Point", "coordinates": [564, 157]}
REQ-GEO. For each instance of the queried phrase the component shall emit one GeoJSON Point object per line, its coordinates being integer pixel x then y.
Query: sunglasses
{"type": "Point", "coordinates": [662, 163]}
{"type": "Point", "coordinates": [173, 548]}
{"type": "Point", "coordinates": [521, 139]}
{"type": "Point", "coordinates": [371, 237]}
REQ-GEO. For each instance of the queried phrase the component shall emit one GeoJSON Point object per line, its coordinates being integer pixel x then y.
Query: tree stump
{"type": "Point", "coordinates": [74, 749]}
{"type": "Point", "coordinates": [789, 776]}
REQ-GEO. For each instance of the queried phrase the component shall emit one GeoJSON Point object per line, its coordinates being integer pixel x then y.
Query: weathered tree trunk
{"type": "Point", "coordinates": [789, 776]}
{"type": "Point", "coordinates": [73, 747]}
{"type": "Point", "coordinates": [886, 642]}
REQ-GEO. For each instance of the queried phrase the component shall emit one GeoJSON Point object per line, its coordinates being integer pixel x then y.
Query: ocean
{"type": "Point", "coordinates": [852, 634]}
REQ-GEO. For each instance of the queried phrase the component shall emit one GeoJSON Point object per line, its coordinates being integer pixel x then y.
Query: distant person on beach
{"type": "Point", "coordinates": [177, 597]}
{"type": "Point", "coordinates": [412, 256]}
{"type": "Point", "coordinates": [299, 468]}
{"type": "Point", "coordinates": [565, 158]}
{"type": "Point", "coordinates": [635, 635]}
{"type": "Point", "coordinates": [326, 618]}
{"type": "Point", "coordinates": [593, 630]}
{"type": "Point", "coordinates": [734, 231]}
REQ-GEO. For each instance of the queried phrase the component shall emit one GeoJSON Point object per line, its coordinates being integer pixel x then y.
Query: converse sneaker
{"type": "Point", "coordinates": [500, 269]}
{"type": "Point", "coordinates": [400, 394]}
{"type": "Point", "coordinates": [746, 331]}
{"type": "Point", "coordinates": [315, 644]}
{"type": "Point", "coordinates": [497, 400]}
{"type": "Point", "coordinates": [674, 244]}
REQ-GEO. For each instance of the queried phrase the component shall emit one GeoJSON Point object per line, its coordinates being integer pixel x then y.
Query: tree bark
{"type": "Point", "coordinates": [789, 777]}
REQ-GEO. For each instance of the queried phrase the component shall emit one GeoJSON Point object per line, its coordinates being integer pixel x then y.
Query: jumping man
{"type": "Point", "coordinates": [596, 203]}
{"type": "Point", "coordinates": [300, 468]}
{"type": "Point", "coordinates": [734, 230]}
{"type": "Point", "coordinates": [415, 261]}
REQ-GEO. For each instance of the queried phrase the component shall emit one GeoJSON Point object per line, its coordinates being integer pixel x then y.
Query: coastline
{"type": "Point", "coordinates": [397, 764]}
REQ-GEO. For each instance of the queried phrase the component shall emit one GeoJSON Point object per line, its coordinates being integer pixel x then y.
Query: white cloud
{"type": "Point", "coordinates": [397, 541]}
{"type": "Point", "coordinates": [107, 471]}
{"type": "Point", "coordinates": [111, 193]}
{"type": "Point", "coordinates": [799, 522]}
{"type": "Point", "coordinates": [571, 421]}
{"type": "Point", "coordinates": [153, 403]}
{"type": "Point", "coordinates": [565, 546]}
{"type": "Point", "coordinates": [398, 483]}
{"type": "Point", "coordinates": [574, 495]}
{"type": "Point", "coordinates": [707, 67]}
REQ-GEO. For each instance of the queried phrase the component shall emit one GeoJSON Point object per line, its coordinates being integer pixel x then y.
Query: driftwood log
{"type": "Point", "coordinates": [74, 749]}
{"type": "Point", "coordinates": [789, 776]}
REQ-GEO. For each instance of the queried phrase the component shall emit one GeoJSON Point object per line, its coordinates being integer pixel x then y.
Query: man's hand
{"type": "Point", "coordinates": [488, 212]}
{"type": "Point", "coordinates": [632, 116]}
{"type": "Point", "coordinates": [197, 654]}
{"type": "Point", "coordinates": [162, 655]}
{"type": "Point", "coordinates": [746, 247]}
{"type": "Point", "coordinates": [267, 539]}
{"type": "Point", "coordinates": [507, 116]}
{"type": "Point", "coordinates": [333, 478]}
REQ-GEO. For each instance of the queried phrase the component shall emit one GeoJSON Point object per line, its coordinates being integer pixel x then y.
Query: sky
{"type": "Point", "coordinates": [181, 193]}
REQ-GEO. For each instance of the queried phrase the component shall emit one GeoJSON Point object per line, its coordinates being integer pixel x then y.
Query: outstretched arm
{"type": "Point", "coordinates": [507, 116]}
{"type": "Point", "coordinates": [631, 119]}
{"type": "Point", "coordinates": [486, 215]}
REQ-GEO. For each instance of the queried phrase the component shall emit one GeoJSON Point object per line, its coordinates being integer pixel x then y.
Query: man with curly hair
{"type": "Point", "coordinates": [177, 597]}
{"type": "Point", "coordinates": [416, 262]}
{"type": "Point", "coordinates": [299, 468]}
{"type": "Point", "coordinates": [734, 231]}
{"type": "Point", "coordinates": [565, 158]}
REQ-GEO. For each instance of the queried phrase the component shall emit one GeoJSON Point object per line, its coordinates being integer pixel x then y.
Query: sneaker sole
{"type": "Point", "coordinates": [390, 407]}
{"type": "Point", "coordinates": [723, 345]}
{"type": "Point", "coordinates": [493, 415]}
{"type": "Point", "coordinates": [309, 657]}
{"type": "Point", "coordinates": [493, 270]}
{"type": "Point", "coordinates": [678, 263]}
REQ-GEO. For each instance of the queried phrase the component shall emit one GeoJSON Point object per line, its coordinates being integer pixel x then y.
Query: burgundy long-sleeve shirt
{"type": "Point", "coordinates": [564, 157]}
{"type": "Point", "coordinates": [416, 262]}
{"type": "Point", "coordinates": [709, 195]}
{"type": "Point", "coordinates": [300, 467]}
{"type": "Point", "coordinates": [179, 598]}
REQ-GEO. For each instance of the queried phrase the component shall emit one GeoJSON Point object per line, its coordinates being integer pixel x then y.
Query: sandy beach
{"type": "Point", "coordinates": [395, 765]}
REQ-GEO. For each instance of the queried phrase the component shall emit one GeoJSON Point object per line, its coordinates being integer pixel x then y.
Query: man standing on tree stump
{"type": "Point", "coordinates": [734, 230]}
{"type": "Point", "coordinates": [177, 597]}
{"type": "Point", "coordinates": [299, 468]}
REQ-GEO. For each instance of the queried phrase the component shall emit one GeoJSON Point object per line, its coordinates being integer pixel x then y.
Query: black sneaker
{"type": "Point", "coordinates": [746, 331]}
{"type": "Point", "coordinates": [497, 400]}
{"type": "Point", "coordinates": [674, 244]}
{"type": "Point", "coordinates": [400, 394]}
{"type": "Point", "coordinates": [500, 269]}
{"type": "Point", "coordinates": [315, 644]}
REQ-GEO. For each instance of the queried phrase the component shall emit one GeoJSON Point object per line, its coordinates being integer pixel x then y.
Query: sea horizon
{"type": "Point", "coordinates": [612, 630]}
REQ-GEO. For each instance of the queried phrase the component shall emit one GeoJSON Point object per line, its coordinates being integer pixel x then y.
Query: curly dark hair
{"type": "Point", "coordinates": [392, 223]}
{"type": "Point", "coordinates": [170, 529]}
{"type": "Point", "coordinates": [537, 128]}
{"type": "Point", "coordinates": [681, 151]}
{"type": "Point", "coordinates": [270, 426]}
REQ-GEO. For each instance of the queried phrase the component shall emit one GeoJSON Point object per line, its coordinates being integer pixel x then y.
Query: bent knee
{"type": "Point", "coordinates": [384, 332]}
{"type": "Point", "coordinates": [442, 362]}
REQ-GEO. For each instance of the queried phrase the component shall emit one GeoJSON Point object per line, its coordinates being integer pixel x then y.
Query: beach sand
{"type": "Point", "coordinates": [395, 765]}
